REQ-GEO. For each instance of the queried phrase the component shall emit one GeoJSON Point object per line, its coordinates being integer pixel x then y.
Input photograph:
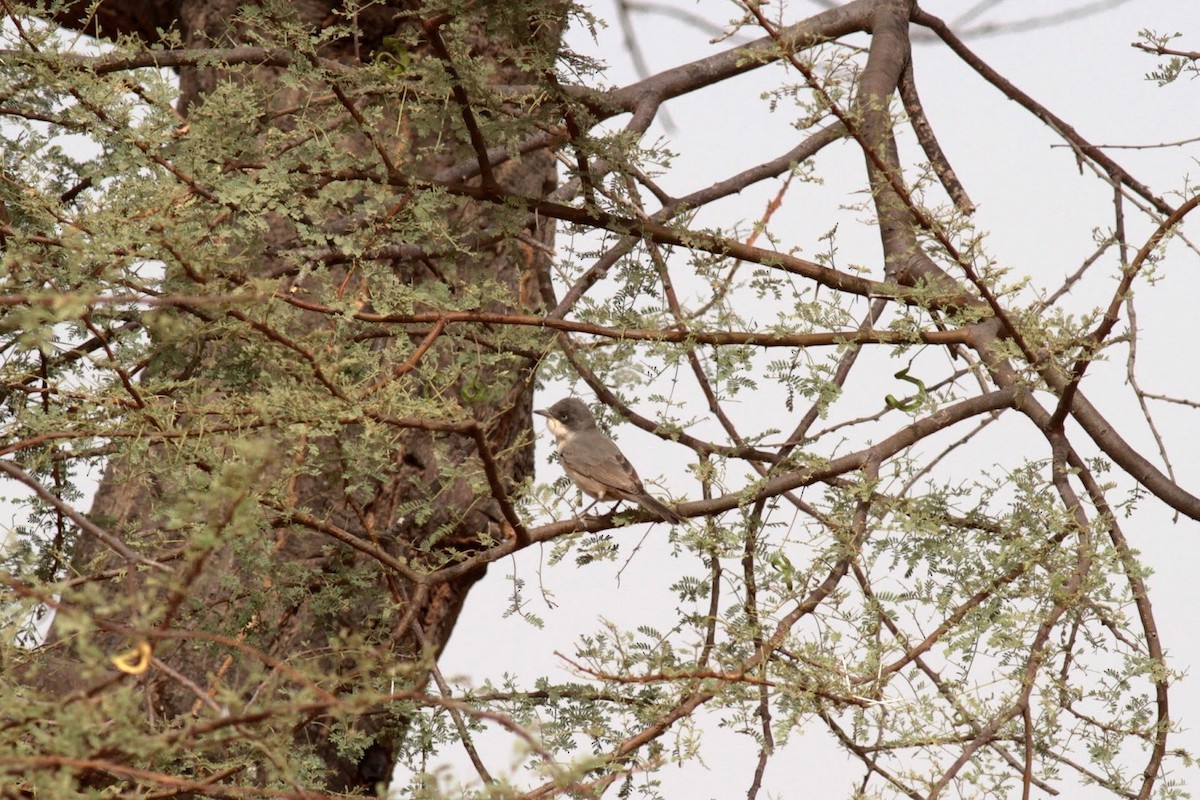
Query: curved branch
{"type": "Point", "coordinates": [1096, 338]}
{"type": "Point", "coordinates": [1058, 125]}
{"type": "Point", "coordinates": [110, 540]}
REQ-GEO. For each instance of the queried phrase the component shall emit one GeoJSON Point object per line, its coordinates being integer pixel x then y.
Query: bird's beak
{"type": "Point", "coordinates": [543, 412]}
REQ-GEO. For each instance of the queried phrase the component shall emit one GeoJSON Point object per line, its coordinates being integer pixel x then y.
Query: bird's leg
{"type": "Point", "coordinates": [623, 507]}
{"type": "Point", "coordinates": [589, 507]}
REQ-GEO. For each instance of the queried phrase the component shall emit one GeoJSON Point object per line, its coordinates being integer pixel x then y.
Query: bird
{"type": "Point", "coordinates": [594, 462]}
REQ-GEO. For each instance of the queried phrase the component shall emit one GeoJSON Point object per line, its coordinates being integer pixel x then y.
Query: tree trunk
{"type": "Point", "coordinates": [222, 619]}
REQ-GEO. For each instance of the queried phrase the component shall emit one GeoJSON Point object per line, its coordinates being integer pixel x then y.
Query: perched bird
{"type": "Point", "coordinates": [594, 461]}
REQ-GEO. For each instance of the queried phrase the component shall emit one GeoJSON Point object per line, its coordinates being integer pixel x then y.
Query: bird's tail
{"type": "Point", "coordinates": [650, 504]}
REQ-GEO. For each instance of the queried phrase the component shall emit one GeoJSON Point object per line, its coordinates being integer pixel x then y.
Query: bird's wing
{"type": "Point", "coordinates": [603, 462]}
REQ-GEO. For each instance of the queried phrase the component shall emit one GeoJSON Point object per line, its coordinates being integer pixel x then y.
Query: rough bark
{"type": "Point", "coordinates": [130, 490]}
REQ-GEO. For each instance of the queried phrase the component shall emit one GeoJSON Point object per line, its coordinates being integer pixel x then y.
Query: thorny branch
{"type": "Point", "coordinates": [854, 470]}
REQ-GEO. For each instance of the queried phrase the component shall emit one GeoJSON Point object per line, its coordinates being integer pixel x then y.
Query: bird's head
{"type": "Point", "coordinates": [567, 416]}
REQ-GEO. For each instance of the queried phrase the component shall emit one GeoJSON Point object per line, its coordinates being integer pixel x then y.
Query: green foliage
{"type": "Point", "coordinates": [299, 328]}
{"type": "Point", "coordinates": [1176, 64]}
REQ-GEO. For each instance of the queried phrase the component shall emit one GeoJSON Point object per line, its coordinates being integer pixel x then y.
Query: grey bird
{"type": "Point", "coordinates": [594, 462]}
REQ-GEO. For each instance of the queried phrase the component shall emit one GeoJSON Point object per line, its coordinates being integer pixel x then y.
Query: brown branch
{"type": "Point", "coordinates": [750, 608]}
{"type": "Point", "coordinates": [1069, 590]}
{"type": "Point", "coordinates": [1074, 277]}
{"type": "Point", "coordinates": [459, 92]}
{"type": "Point", "coordinates": [840, 376]}
{"type": "Point", "coordinates": [709, 194]}
{"type": "Point", "coordinates": [499, 492]}
{"type": "Point", "coordinates": [904, 259]}
{"type": "Point", "coordinates": [1192, 55]}
{"type": "Point", "coordinates": [1068, 133]}
{"type": "Point", "coordinates": [1100, 430]}
{"type": "Point", "coordinates": [703, 241]}
{"type": "Point", "coordinates": [726, 676]}
{"type": "Point", "coordinates": [464, 736]}
{"type": "Point", "coordinates": [950, 623]}
{"type": "Point", "coordinates": [685, 708]}
{"type": "Point", "coordinates": [304, 353]}
{"type": "Point", "coordinates": [367, 130]}
{"type": "Point", "coordinates": [673, 335]}
{"type": "Point", "coordinates": [849, 18]}
{"type": "Point", "coordinates": [1140, 394]}
{"type": "Point", "coordinates": [905, 248]}
{"type": "Point", "coordinates": [850, 552]}
{"type": "Point", "coordinates": [929, 142]}
{"type": "Point", "coordinates": [1029, 751]}
{"type": "Point", "coordinates": [865, 755]}
{"type": "Point", "coordinates": [206, 787]}
{"type": "Point", "coordinates": [945, 689]}
{"type": "Point", "coordinates": [1141, 599]}
{"type": "Point", "coordinates": [575, 133]}
{"type": "Point", "coordinates": [676, 309]}
{"type": "Point", "coordinates": [169, 59]}
{"type": "Point", "coordinates": [714, 596]}
{"type": "Point", "coordinates": [114, 364]}
{"type": "Point", "coordinates": [1093, 340]}
{"type": "Point", "coordinates": [303, 519]}
{"type": "Point", "coordinates": [878, 453]}
{"type": "Point", "coordinates": [400, 370]}
{"type": "Point", "coordinates": [110, 540]}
